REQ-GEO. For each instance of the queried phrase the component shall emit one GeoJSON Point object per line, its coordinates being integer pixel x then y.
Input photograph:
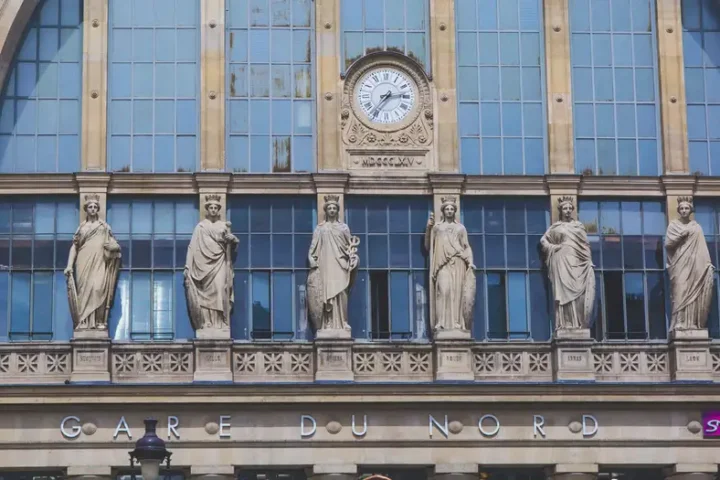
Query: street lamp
{"type": "Point", "coordinates": [150, 452]}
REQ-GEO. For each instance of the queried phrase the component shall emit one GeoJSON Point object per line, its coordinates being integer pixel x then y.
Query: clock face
{"type": "Point", "coordinates": [386, 95]}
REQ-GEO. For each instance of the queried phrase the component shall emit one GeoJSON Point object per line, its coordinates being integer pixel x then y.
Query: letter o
{"type": "Point", "coordinates": [490, 433]}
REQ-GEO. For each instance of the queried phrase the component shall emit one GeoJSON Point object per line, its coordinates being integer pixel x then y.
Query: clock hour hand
{"type": "Point", "coordinates": [383, 99]}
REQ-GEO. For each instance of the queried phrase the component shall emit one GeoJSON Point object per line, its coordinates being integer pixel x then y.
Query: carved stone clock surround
{"type": "Point", "coordinates": [407, 145]}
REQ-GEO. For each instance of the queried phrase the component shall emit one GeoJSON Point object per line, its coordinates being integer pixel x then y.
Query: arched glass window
{"type": "Point", "coordinates": [615, 87]}
{"type": "Point", "coordinates": [396, 25]}
{"type": "Point", "coordinates": [701, 45]}
{"type": "Point", "coordinates": [153, 84]}
{"type": "Point", "coordinates": [270, 86]}
{"type": "Point", "coordinates": [40, 114]}
{"type": "Point", "coordinates": [501, 87]}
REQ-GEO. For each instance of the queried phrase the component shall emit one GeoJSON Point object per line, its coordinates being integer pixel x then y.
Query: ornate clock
{"type": "Point", "coordinates": [387, 114]}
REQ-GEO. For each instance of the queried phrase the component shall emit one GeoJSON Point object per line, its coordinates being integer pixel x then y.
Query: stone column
{"type": "Point", "coordinates": [456, 471]}
{"type": "Point", "coordinates": [205, 472]}
{"type": "Point", "coordinates": [212, 85]}
{"type": "Point", "coordinates": [94, 90]}
{"type": "Point", "coordinates": [333, 472]}
{"type": "Point", "coordinates": [442, 53]}
{"type": "Point", "coordinates": [672, 87]}
{"type": "Point", "coordinates": [91, 348]}
{"type": "Point", "coordinates": [573, 472]}
{"type": "Point", "coordinates": [329, 85]}
{"type": "Point", "coordinates": [691, 472]}
{"type": "Point", "coordinates": [559, 97]}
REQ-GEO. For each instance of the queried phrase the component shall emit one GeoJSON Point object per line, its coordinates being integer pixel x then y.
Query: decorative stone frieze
{"type": "Point", "coordinates": [631, 363]}
{"type": "Point", "coordinates": [148, 363]}
{"type": "Point", "coordinates": [35, 363]}
{"type": "Point", "coordinates": [272, 362]}
{"type": "Point", "coordinates": [382, 363]}
{"type": "Point", "coordinates": [512, 362]}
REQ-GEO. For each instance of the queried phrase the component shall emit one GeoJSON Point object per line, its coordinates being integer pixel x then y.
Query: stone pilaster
{"type": "Point", "coordinates": [94, 89]}
{"type": "Point", "coordinates": [442, 48]}
{"type": "Point", "coordinates": [330, 184]}
{"type": "Point", "coordinates": [562, 186]}
{"type": "Point", "coordinates": [329, 85]}
{"type": "Point", "coordinates": [333, 472]}
{"type": "Point", "coordinates": [444, 185]}
{"type": "Point", "coordinates": [691, 472]}
{"type": "Point", "coordinates": [559, 86]}
{"type": "Point", "coordinates": [91, 356]}
{"type": "Point", "coordinates": [672, 87]}
{"type": "Point", "coordinates": [456, 471]}
{"type": "Point", "coordinates": [213, 184]}
{"type": "Point", "coordinates": [212, 85]}
{"type": "Point", "coordinates": [572, 356]}
{"type": "Point", "coordinates": [677, 186]}
{"type": "Point", "coordinates": [213, 359]}
{"type": "Point", "coordinates": [690, 358]}
{"type": "Point", "coordinates": [453, 357]}
{"type": "Point", "coordinates": [333, 360]}
{"type": "Point", "coordinates": [95, 183]}
{"type": "Point", "coordinates": [573, 472]}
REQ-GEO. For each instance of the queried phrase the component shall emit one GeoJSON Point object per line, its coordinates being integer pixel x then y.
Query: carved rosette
{"type": "Point", "coordinates": [403, 145]}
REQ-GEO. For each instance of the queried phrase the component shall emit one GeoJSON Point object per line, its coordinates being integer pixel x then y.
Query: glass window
{"type": "Point", "coordinates": [513, 297]}
{"type": "Point", "coordinates": [40, 112]}
{"type": "Point", "coordinates": [394, 25]}
{"type": "Point", "coordinates": [154, 234]}
{"type": "Point", "coordinates": [626, 239]}
{"type": "Point", "coordinates": [270, 86]}
{"type": "Point", "coordinates": [501, 87]}
{"type": "Point", "coordinates": [707, 214]}
{"type": "Point", "coordinates": [271, 265]}
{"type": "Point", "coordinates": [701, 43]}
{"type": "Point", "coordinates": [615, 91]}
{"type": "Point", "coordinates": [153, 82]}
{"type": "Point", "coordinates": [389, 298]}
{"type": "Point", "coordinates": [35, 240]}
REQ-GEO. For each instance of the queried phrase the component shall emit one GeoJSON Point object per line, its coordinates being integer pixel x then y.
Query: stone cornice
{"type": "Point", "coordinates": [447, 182]}
{"type": "Point", "coordinates": [93, 181]}
{"type": "Point", "coordinates": [212, 181]}
{"type": "Point", "coordinates": [275, 183]}
{"type": "Point", "coordinates": [331, 182]}
{"type": "Point", "coordinates": [152, 183]}
{"type": "Point", "coordinates": [681, 184]}
{"type": "Point", "coordinates": [389, 184]}
{"type": "Point", "coordinates": [37, 184]}
{"type": "Point", "coordinates": [621, 186]}
{"type": "Point", "coordinates": [505, 185]}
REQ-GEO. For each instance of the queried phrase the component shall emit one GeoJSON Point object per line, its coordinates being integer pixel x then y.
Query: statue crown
{"type": "Point", "coordinates": [213, 198]}
{"type": "Point", "coordinates": [563, 200]}
{"type": "Point", "coordinates": [685, 199]}
{"type": "Point", "coordinates": [332, 199]}
{"type": "Point", "coordinates": [451, 200]}
{"type": "Point", "coordinates": [92, 198]}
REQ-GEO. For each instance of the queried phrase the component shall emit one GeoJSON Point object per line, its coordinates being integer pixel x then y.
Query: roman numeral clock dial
{"type": "Point", "coordinates": [386, 96]}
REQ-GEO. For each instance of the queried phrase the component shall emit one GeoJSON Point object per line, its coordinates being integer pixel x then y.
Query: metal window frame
{"type": "Point", "coordinates": [311, 101]}
{"type": "Point", "coordinates": [614, 102]}
{"type": "Point", "coordinates": [235, 201]}
{"type": "Point", "coordinates": [500, 102]}
{"type": "Point", "coordinates": [133, 98]}
{"type": "Point", "coordinates": [427, 61]}
{"type": "Point", "coordinates": [601, 320]}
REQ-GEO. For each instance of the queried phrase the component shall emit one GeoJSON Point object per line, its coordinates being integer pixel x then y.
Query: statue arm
{"type": "Point", "coordinates": [428, 232]}
{"type": "Point", "coordinates": [312, 259]}
{"type": "Point", "coordinates": [71, 260]}
{"type": "Point", "coordinates": [467, 252]}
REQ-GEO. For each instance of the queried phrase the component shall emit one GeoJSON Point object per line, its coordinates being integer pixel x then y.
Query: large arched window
{"type": "Point", "coordinates": [40, 113]}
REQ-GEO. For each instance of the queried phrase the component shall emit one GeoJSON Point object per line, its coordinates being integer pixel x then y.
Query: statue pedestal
{"type": "Point", "coordinates": [213, 334]}
{"type": "Point", "coordinates": [91, 356]}
{"type": "Point", "coordinates": [452, 335]}
{"type": "Point", "coordinates": [572, 355]}
{"type": "Point", "coordinates": [334, 333]}
{"type": "Point", "coordinates": [213, 360]}
{"type": "Point", "coordinates": [333, 360]}
{"type": "Point", "coordinates": [690, 358]}
{"type": "Point", "coordinates": [453, 358]}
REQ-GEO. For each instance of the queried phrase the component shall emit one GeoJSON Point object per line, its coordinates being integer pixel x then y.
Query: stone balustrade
{"type": "Point", "coordinates": [272, 362]}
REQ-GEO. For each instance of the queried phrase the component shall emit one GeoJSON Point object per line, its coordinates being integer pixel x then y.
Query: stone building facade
{"type": "Point", "coordinates": [124, 123]}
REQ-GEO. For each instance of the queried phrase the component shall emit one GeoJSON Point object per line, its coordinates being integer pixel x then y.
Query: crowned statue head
{"type": "Point", "coordinates": [448, 208]}
{"type": "Point", "coordinates": [91, 205]}
{"type": "Point", "coordinates": [213, 205]}
{"type": "Point", "coordinates": [565, 207]}
{"type": "Point", "coordinates": [332, 207]}
{"type": "Point", "coordinates": [685, 207]}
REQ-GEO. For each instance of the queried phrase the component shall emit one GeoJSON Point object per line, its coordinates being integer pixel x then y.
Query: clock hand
{"type": "Point", "coordinates": [383, 99]}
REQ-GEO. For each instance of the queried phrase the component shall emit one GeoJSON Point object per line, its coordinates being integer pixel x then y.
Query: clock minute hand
{"type": "Point", "coordinates": [383, 99]}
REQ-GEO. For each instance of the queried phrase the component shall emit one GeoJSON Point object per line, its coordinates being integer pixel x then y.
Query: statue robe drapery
{"type": "Point", "coordinates": [691, 275]}
{"type": "Point", "coordinates": [452, 281]}
{"type": "Point", "coordinates": [328, 284]}
{"type": "Point", "coordinates": [96, 270]}
{"type": "Point", "coordinates": [570, 268]}
{"type": "Point", "coordinates": [208, 277]}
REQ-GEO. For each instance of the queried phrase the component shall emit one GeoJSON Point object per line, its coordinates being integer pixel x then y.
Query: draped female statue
{"type": "Point", "coordinates": [452, 272]}
{"type": "Point", "coordinates": [208, 270]}
{"type": "Point", "coordinates": [333, 264]}
{"type": "Point", "coordinates": [92, 270]}
{"type": "Point", "coordinates": [570, 268]}
{"type": "Point", "coordinates": [690, 269]}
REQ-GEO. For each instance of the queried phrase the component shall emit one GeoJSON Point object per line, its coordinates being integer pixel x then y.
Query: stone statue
{"type": "Point", "coordinates": [92, 270]}
{"type": "Point", "coordinates": [570, 268]}
{"type": "Point", "coordinates": [690, 269]}
{"type": "Point", "coordinates": [333, 264]}
{"type": "Point", "coordinates": [208, 270]}
{"type": "Point", "coordinates": [452, 272]}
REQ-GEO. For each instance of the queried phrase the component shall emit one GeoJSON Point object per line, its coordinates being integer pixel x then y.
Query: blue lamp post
{"type": "Point", "coordinates": [150, 452]}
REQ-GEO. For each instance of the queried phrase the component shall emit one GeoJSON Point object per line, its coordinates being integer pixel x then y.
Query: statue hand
{"type": "Point", "coordinates": [68, 271]}
{"type": "Point", "coordinates": [472, 266]}
{"type": "Point", "coordinates": [313, 262]}
{"type": "Point", "coordinates": [431, 220]}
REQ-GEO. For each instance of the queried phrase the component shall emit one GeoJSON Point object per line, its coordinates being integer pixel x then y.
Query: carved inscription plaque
{"type": "Point", "coordinates": [575, 359]}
